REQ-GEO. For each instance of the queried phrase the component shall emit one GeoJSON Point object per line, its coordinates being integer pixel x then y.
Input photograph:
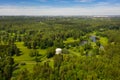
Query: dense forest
{"type": "Point", "coordinates": [90, 48]}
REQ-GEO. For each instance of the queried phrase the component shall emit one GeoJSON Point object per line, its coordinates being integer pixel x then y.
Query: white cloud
{"type": "Point", "coordinates": [84, 0]}
{"type": "Point", "coordinates": [46, 10]}
{"type": "Point", "coordinates": [42, 0]}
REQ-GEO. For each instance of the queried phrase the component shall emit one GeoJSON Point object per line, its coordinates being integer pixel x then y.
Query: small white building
{"type": "Point", "coordinates": [58, 51]}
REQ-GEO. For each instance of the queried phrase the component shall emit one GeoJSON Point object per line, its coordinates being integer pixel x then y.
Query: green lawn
{"type": "Point", "coordinates": [24, 53]}
{"type": "Point", "coordinates": [29, 61]}
{"type": "Point", "coordinates": [103, 41]}
{"type": "Point", "coordinates": [70, 40]}
{"type": "Point", "coordinates": [24, 57]}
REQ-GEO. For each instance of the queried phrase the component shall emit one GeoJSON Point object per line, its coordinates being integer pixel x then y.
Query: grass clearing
{"type": "Point", "coordinates": [24, 53]}
{"type": "Point", "coordinates": [24, 57]}
{"type": "Point", "coordinates": [70, 40]}
{"type": "Point", "coordinates": [103, 41]}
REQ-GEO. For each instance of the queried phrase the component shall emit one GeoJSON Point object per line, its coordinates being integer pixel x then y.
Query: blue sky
{"type": "Point", "coordinates": [59, 7]}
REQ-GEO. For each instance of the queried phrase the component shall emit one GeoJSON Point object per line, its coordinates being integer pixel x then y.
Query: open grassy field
{"type": "Point", "coordinates": [25, 58]}
{"type": "Point", "coordinates": [103, 41]}
{"type": "Point", "coordinates": [70, 40]}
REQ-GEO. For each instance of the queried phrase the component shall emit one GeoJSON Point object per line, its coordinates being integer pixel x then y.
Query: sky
{"type": "Point", "coordinates": [59, 7]}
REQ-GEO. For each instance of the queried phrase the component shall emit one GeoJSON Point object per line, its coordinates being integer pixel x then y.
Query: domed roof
{"type": "Point", "coordinates": [58, 50]}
